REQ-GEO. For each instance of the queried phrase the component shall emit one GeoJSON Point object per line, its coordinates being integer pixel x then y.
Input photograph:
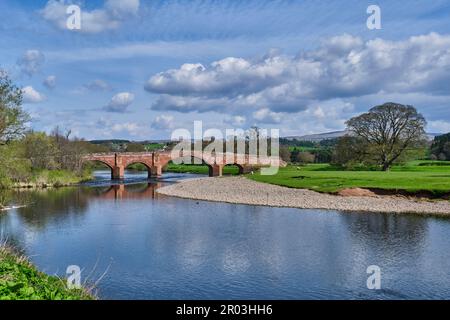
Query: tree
{"type": "Point", "coordinates": [41, 150]}
{"type": "Point", "coordinates": [305, 157]}
{"type": "Point", "coordinates": [285, 154]}
{"type": "Point", "coordinates": [440, 148]}
{"type": "Point", "coordinates": [135, 147]}
{"type": "Point", "coordinates": [389, 130]}
{"type": "Point", "coordinates": [12, 117]}
{"type": "Point", "coordinates": [349, 152]}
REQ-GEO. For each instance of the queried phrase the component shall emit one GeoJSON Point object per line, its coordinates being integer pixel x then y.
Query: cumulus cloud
{"type": "Point", "coordinates": [236, 121]}
{"type": "Point", "coordinates": [30, 95]}
{"type": "Point", "coordinates": [50, 82]}
{"type": "Point", "coordinates": [120, 102]}
{"type": "Point", "coordinates": [341, 67]}
{"type": "Point", "coordinates": [131, 128]}
{"type": "Point", "coordinates": [108, 17]}
{"type": "Point", "coordinates": [264, 115]}
{"type": "Point", "coordinates": [97, 85]}
{"type": "Point", "coordinates": [162, 122]}
{"type": "Point", "coordinates": [31, 62]}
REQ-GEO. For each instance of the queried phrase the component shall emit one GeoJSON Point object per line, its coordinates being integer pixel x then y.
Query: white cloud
{"type": "Point", "coordinates": [109, 17]}
{"type": "Point", "coordinates": [131, 128]}
{"type": "Point", "coordinates": [162, 122]}
{"type": "Point", "coordinates": [343, 67]}
{"type": "Point", "coordinates": [438, 126]}
{"type": "Point", "coordinates": [50, 82]}
{"type": "Point", "coordinates": [30, 95]}
{"type": "Point", "coordinates": [120, 102]}
{"type": "Point", "coordinates": [236, 121]}
{"type": "Point", "coordinates": [97, 85]}
{"type": "Point", "coordinates": [266, 116]}
{"type": "Point", "coordinates": [31, 62]}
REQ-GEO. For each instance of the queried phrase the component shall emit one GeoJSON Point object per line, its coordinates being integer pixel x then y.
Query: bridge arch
{"type": "Point", "coordinates": [103, 162]}
{"type": "Point", "coordinates": [144, 163]}
{"type": "Point", "coordinates": [240, 167]}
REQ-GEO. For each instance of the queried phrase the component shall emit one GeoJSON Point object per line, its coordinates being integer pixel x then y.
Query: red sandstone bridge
{"type": "Point", "coordinates": [156, 161]}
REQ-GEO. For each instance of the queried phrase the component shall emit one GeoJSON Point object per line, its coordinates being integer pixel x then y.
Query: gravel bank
{"type": "Point", "coordinates": [244, 191]}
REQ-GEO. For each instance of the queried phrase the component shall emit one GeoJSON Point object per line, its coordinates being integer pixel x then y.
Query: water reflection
{"type": "Point", "coordinates": [121, 191]}
{"type": "Point", "coordinates": [160, 247]}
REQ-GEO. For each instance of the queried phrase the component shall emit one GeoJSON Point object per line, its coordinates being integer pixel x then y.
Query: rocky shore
{"type": "Point", "coordinates": [244, 191]}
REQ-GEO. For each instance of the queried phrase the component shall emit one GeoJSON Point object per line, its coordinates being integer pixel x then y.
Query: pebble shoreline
{"type": "Point", "coordinates": [241, 190]}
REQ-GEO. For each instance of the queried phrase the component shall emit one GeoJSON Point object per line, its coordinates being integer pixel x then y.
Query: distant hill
{"type": "Point", "coordinates": [318, 136]}
{"type": "Point", "coordinates": [336, 134]}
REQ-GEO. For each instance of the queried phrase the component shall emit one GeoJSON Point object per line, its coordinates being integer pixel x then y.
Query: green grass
{"type": "Point", "coordinates": [154, 146]}
{"type": "Point", "coordinates": [198, 169]}
{"type": "Point", "coordinates": [20, 280]}
{"type": "Point", "coordinates": [413, 177]}
{"type": "Point", "coordinates": [57, 178]}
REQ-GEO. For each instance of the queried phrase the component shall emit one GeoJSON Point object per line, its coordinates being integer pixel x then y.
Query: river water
{"type": "Point", "coordinates": [136, 244]}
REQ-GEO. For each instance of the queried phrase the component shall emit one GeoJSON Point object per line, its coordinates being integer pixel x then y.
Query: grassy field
{"type": "Point", "coordinates": [153, 146]}
{"type": "Point", "coordinates": [416, 176]}
{"type": "Point", "coordinates": [20, 280]}
{"type": "Point", "coordinates": [198, 169]}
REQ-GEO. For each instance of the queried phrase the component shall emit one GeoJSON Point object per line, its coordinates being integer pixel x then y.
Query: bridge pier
{"type": "Point", "coordinates": [155, 171]}
{"type": "Point", "coordinates": [215, 170]}
{"type": "Point", "coordinates": [118, 172]}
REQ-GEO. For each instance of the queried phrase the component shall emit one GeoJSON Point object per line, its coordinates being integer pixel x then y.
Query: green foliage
{"type": "Point", "coordinates": [440, 149]}
{"type": "Point", "coordinates": [351, 152]}
{"type": "Point", "coordinates": [42, 150]}
{"type": "Point", "coordinates": [284, 153]}
{"type": "Point", "coordinates": [12, 117]}
{"type": "Point", "coordinates": [135, 147]}
{"type": "Point", "coordinates": [411, 177]}
{"type": "Point", "coordinates": [154, 146]}
{"type": "Point", "coordinates": [305, 157]}
{"type": "Point", "coordinates": [322, 150]}
{"type": "Point", "coordinates": [20, 280]}
{"type": "Point", "coordinates": [14, 167]}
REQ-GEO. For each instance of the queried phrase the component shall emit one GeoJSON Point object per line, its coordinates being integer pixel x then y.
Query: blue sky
{"type": "Point", "coordinates": [140, 69]}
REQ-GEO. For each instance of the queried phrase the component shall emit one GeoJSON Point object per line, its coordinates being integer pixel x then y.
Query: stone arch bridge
{"type": "Point", "coordinates": [156, 161]}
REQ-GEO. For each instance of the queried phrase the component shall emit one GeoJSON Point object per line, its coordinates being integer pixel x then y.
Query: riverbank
{"type": "Point", "coordinates": [242, 190]}
{"type": "Point", "coordinates": [19, 279]}
{"type": "Point", "coordinates": [49, 179]}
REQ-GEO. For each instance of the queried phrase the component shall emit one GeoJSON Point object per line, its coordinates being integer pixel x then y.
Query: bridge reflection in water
{"type": "Point", "coordinates": [131, 191]}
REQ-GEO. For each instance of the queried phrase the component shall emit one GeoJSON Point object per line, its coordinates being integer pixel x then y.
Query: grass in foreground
{"type": "Point", "coordinates": [414, 177]}
{"type": "Point", "coordinates": [20, 280]}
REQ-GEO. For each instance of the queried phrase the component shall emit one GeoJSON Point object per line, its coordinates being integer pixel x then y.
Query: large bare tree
{"type": "Point", "coordinates": [389, 130]}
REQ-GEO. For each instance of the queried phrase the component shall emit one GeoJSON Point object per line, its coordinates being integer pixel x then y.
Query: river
{"type": "Point", "coordinates": [150, 246]}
